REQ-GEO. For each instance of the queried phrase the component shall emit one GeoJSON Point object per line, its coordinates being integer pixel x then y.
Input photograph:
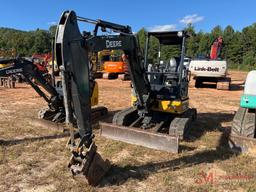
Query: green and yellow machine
{"type": "Point", "coordinates": [243, 131]}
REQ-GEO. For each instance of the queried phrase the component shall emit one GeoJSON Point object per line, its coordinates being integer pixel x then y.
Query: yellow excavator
{"type": "Point", "coordinates": [160, 115]}
{"type": "Point", "coordinates": [97, 60]}
{"type": "Point", "coordinates": [7, 54]}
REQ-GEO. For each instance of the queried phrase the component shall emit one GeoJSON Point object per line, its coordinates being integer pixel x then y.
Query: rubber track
{"type": "Point", "coordinates": [181, 126]}
{"type": "Point", "coordinates": [244, 123]}
{"type": "Point", "coordinates": [123, 118]}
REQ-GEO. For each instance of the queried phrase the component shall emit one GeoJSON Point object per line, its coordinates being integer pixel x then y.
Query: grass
{"type": "Point", "coordinates": [41, 164]}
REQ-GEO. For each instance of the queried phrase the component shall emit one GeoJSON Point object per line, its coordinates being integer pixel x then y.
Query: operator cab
{"type": "Point", "coordinates": [168, 75]}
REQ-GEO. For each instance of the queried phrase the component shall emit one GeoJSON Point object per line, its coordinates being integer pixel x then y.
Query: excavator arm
{"type": "Point", "coordinates": [31, 74]}
{"type": "Point", "coordinates": [216, 48]}
{"type": "Point", "coordinates": [72, 54]}
{"type": "Point", "coordinates": [72, 50]}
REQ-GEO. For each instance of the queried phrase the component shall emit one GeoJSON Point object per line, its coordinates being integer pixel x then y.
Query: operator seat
{"type": "Point", "coordinates": [172, 66]}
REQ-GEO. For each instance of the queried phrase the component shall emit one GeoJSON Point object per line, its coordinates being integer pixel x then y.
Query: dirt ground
{"type": "Point", "coordinates": [34, 158]}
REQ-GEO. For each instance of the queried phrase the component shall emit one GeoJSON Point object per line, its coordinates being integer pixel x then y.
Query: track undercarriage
{"type": "Point", "coordinates": [157, 130]}
{"type": "Point", "coordinates": [59, 116]}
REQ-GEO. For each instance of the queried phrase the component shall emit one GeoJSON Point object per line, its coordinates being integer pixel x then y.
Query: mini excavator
{"type": "Point", "coordinates": [52, 94]}
{"type": "Point", "coordinates": [243, 131]}
{"type": "Point", "coordinates": [31, 74]}
{"type": "Point", "coordinates": [160, 113]}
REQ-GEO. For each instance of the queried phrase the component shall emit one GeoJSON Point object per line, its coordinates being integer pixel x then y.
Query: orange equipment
{"type": "Point", "coordinates": [116, 68]}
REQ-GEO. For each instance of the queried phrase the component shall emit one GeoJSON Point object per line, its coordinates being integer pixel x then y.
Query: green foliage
{"type": "Point", "coordinates": [167, 52]}
{"type": "Point", "coordinates": [141, 36]}
{"type": "Point", "coordinates": [192, 42]}
{"type": "Point", "coordinates": [238, 48]}
{"type": "Point", "coordinates": [26, 43]}
{"type": "Point", "coordinates": [52, 30]}
{"type": "Point", "coordinates": [249, 60]}
{"type": "Point", "coordinates": [216, 32]}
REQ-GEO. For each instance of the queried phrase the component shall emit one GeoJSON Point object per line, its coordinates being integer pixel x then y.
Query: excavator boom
{"type": "Point", "coordinates": [72, 55]}
{"type": "Point", "coordinates": [216, 48]}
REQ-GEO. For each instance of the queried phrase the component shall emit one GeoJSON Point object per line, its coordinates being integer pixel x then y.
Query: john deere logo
{"type": "Point", "coordinates": [11, 71]}
{"type": "Point", "coordinates": [113, 44]}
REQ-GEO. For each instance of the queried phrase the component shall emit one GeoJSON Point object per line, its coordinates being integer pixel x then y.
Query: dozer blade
{"type": "Point", "coordinates": [242, 144]}
{"type": "Point", "coordinates": [141, 137]}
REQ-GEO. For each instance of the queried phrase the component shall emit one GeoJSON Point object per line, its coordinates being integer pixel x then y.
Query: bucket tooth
{"type": "Point", "coordinates": [141, 137]}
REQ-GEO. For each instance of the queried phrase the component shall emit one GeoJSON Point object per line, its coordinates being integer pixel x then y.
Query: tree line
{"type": "Point", "coordinates": [26, 43]}
{"type": "Point", "coordinates": [238, 47]}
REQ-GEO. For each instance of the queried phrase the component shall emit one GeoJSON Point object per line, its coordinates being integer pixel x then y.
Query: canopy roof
{"type": "Point", "coordinates": [169, 37]}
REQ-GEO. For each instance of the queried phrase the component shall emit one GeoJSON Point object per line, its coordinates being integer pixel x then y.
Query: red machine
{"type": "Point", "coordinates": [41, 61]}
{"type": "Point", "coordinates": [216, 48]}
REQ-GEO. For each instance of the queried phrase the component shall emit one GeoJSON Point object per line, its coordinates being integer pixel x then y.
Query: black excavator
{"type": "Point", "coordinates": [24, 66]}
{"type": "Point", "coordinates": [160, 114]}
{"type": "Point", "coordinates": [52, 93]}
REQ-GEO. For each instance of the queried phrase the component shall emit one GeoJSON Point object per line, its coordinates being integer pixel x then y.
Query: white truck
{"type": "Point", "coordinates": [210, 71]}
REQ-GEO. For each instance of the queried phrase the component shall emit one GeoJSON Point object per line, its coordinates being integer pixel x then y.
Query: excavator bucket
{"type": "Point", "coordinates": [242, 144]}
{"type": "Point", "coordinates": [92, 165]}
{"type": "Point", "coordinates": [73, 56]}
{"type": "Point", "coordinates": [140, 137]}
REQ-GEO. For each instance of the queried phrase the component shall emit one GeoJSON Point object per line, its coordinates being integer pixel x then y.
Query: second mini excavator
{"type": "Point", "coordinates": [243, 130]}
{"type": "Point", "coordinates": [160, 114]}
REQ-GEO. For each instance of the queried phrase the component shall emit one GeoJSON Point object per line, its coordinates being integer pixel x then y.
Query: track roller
{"type": "Point", "coordinates": [198, 83]}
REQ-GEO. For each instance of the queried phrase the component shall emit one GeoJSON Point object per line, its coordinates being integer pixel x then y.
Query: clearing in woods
{"type": "Point", "coordinates": [34, 158]}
